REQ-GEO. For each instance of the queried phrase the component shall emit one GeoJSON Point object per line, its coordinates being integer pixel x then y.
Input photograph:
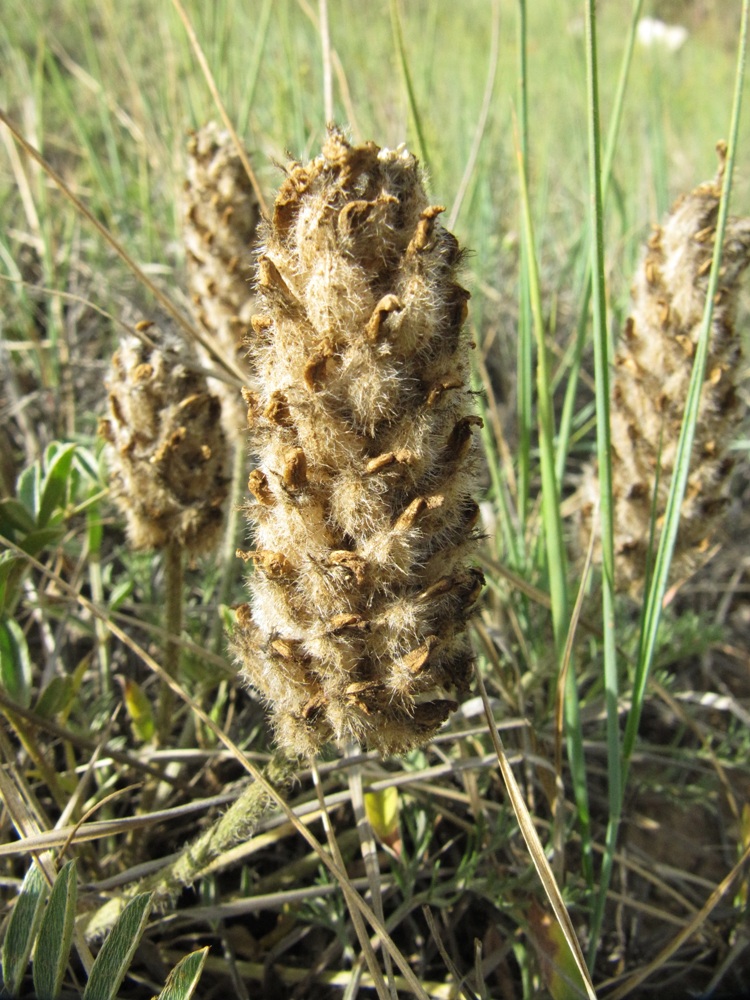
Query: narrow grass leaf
{"type": "Point", "coordinates": [52, 950]}
{"type": "Point", "coordinates": [604, 455]}
{"type": "Point", "coordinates": [525, 348]}
{"type": "Point", "coordinates": [184, 977]}
{"type": "Point", "coordinates": [116, 953]}
{"type": "Point", "coordinates": [552, 520]}
{"type": "Point", "coordinates": [556, 960]}
{"type": "Point", "coordinates": [22, 928]}
{"type": "Point", "coordinates": [398, 39]}
{"type": "Point", "coordinates": [615, 121]}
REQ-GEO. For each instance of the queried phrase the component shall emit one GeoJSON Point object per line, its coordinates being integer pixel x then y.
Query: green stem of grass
{"type": "Point", "coordinates": [398, 41]}
{"type": "Point", "coordinates": [553, 535]}
{"type": "Point", "coordinates": [571, 389]}
{"type": "Point", "coordinates": [604, 452]}
{"type": "Point", "coordinates": [525, 349]}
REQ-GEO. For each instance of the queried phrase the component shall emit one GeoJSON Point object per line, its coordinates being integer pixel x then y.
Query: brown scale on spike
{"type": "Point", "coordinates": [363, 510]}
{"type": "Point", "coordinates": [650, 384]}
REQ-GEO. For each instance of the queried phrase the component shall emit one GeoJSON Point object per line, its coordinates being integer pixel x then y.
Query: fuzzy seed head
{"type": "Point", "coordinates": [362, 500]}
{"type": "Point", "coordinates": [650, 382]}
{"type": "Point", "coordinates": [167, 451]}
{"type": "Point", "coordinates": [220, 218]}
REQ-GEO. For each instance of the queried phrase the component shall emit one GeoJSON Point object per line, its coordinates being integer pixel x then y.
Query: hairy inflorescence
{"type": "Point", "coordinates": [220, 219]}
{"type": "Point", "coordinates": [167, 451]}
{"type": "Point", "coordinates": [362, 500]}
{"type": "Point", "coordinates": [652, 370]}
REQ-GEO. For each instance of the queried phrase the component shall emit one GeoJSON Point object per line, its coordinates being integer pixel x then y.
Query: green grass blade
{"type": "Point", "coordinates": [550, 489]}
{"type": "Point", "coordinates": [498, 487]}
{"type": "Point", "coordinates": [22, 929]}
{"type": "Point", "coordinates": [183, 979]}
{"type": "Point", "coordinates": [571, 389]}
{"type": "Point", "coordinates": [398, 40]}
{"type": "Point", "coordinates": [552, 521]}
{"type": "Point", "coordinates": [52, 950]}
{"type": "Point", "coordinates": [525, 347]}
{"type": "Point", "coordinates": [603, 444]}
{"type": "Point", "coordinates": [116, 953]}
{"type": "Point", "coordinates": [251, 82]}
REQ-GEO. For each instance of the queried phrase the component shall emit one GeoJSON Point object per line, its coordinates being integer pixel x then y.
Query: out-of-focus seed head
{"type": "Point", "coordinates": [362, 500]}
{"type": "Point", "coordinates": [652, 370]}
{"type": "Point", "coordinates": [167, 451]}
{"type": "Point", "coordinates": [220, 219]}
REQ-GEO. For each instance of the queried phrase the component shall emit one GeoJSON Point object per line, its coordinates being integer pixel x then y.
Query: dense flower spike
{"type": "Point", "coordinates": [650, 383]}
{"type": "Point", "coordinates": [220, 218]}
{"type": "Point", "coordinates": [362, 501]}
{"type": "Point", "coordinates": [167, 454]}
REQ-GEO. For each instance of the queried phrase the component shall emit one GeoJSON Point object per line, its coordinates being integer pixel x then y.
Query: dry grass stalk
{"type": "Point", "coordinates": [650, 381]}
{"type": "Point", "coordinates": [220, 219]}
{"type": "Point", "coordinates": [362, 501]}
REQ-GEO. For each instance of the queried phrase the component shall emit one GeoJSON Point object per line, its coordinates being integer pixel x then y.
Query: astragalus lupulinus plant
{"type": "Point", "coordinates": [362, 501]}
{"type": "Point", "coordinates": [168, 461]}
{"type": "Point", "coordinates": [652, 369]}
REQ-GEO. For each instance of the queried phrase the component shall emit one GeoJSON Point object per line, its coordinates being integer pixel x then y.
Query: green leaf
{"type": "Point", "coordinates": [558, 966]}
{"type": "Point", "coordinates": [183, 979]}
{"type": "Point", "coordinates": [15, 665]}
{"type": "Point", "coordinates": [40, 538]}
{"type": "Point", "coordinates": [15, 519]}
{"type": "Point", "coordinates": [382, 811]}
{"type": "Point", "coordinates": [54, 489]}
{"type": "Point", "coordinates": [112, 962]}
{"type": "Point", "coordinates": [120, 593]}
{"type": "Point", "coordinates": [53, 944]}
{"type": "Point", "coordinates": [12, 570]}
{"type": "Point", "coordinates": [139, 709]}
{"type": "Point", "coordinates": [22, 927]}
{"type": "Point", "coordinates": [55, 697]}
{"type": "Point", "coordinates": [27, 489]}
